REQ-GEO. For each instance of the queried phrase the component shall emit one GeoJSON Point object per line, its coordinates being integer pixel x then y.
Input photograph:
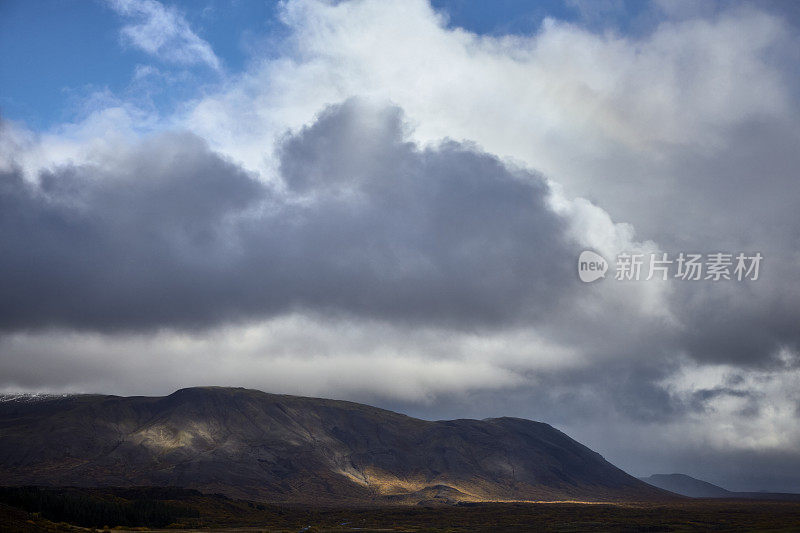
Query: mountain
{"type": "Point", "coordinates": [696, 488]}
{"type": "Point", "coordinates": [250, 444]}
{"type": "Point", "coordinates": [687, 486]}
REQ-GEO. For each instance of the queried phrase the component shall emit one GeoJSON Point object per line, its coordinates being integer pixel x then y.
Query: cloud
{"type": "Point", "coordinates": [164, 33]}
{"type": "Point", "coordinates": [685, 132]}
{"type": "Point", "coordinates": [564, 90]}
{"type": "Point", "coordinates": [168, 234]}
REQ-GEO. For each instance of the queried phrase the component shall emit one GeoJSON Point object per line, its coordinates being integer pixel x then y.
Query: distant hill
{"type": "Point", "coordinates": [696, 488]}
{"type": "Point", "coordinates": [250, 444]}
{"type": "Point", "coordinates": [687, 486]}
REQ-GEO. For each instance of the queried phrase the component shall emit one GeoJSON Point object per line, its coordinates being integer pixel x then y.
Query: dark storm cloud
{"type": "Point", "coordinates": [172, 235]}
{"type": "Point", "coordinates": [133, 245]}
{"type": "Point", "coordinates": [753, 327]}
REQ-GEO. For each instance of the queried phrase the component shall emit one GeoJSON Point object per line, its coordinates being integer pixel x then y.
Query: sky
{"type": "Point", "coordinates": [385, 201]}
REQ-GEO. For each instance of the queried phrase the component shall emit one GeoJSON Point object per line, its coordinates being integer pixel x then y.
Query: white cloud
{"type": "Point", "coordinates": [685, 83]}
{"type": "Point", "coordinates": [768, 399]}
{"type": "Point", "coordinates": [164, 33]}
{"type": "Point", "coordinates": [292, 354]}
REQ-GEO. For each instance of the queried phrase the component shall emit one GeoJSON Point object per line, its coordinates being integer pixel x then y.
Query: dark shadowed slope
{"type": "Point", "coordinates": [247, 443]}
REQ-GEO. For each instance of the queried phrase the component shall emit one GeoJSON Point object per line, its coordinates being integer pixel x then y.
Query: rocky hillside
{"type": "Point", "coordinates": [250, 444]}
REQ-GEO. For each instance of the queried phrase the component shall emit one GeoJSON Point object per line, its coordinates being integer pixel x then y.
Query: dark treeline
{"type": "Point", "coordinates": [89, 510]}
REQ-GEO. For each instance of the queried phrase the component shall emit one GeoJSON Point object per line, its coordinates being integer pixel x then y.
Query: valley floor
{"type": "Point", "coordinates": [192, 511]}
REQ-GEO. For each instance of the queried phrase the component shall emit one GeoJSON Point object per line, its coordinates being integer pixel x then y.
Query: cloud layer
{"type": "Point", "coordinates": [169, 234]}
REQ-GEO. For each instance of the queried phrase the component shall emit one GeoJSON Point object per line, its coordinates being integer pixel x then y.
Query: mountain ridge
{"type": "Point", "coordinates": [692, 487]}
{"type": "Point", "coordinates": [282, 448]}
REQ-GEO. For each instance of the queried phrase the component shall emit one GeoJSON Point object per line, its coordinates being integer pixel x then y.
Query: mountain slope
{"type": "Point", "coordinates": [250, 444]}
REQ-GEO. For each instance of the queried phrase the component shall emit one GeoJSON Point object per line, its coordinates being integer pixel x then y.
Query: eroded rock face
{"type": "Point", "coordinates": [250, 444]}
